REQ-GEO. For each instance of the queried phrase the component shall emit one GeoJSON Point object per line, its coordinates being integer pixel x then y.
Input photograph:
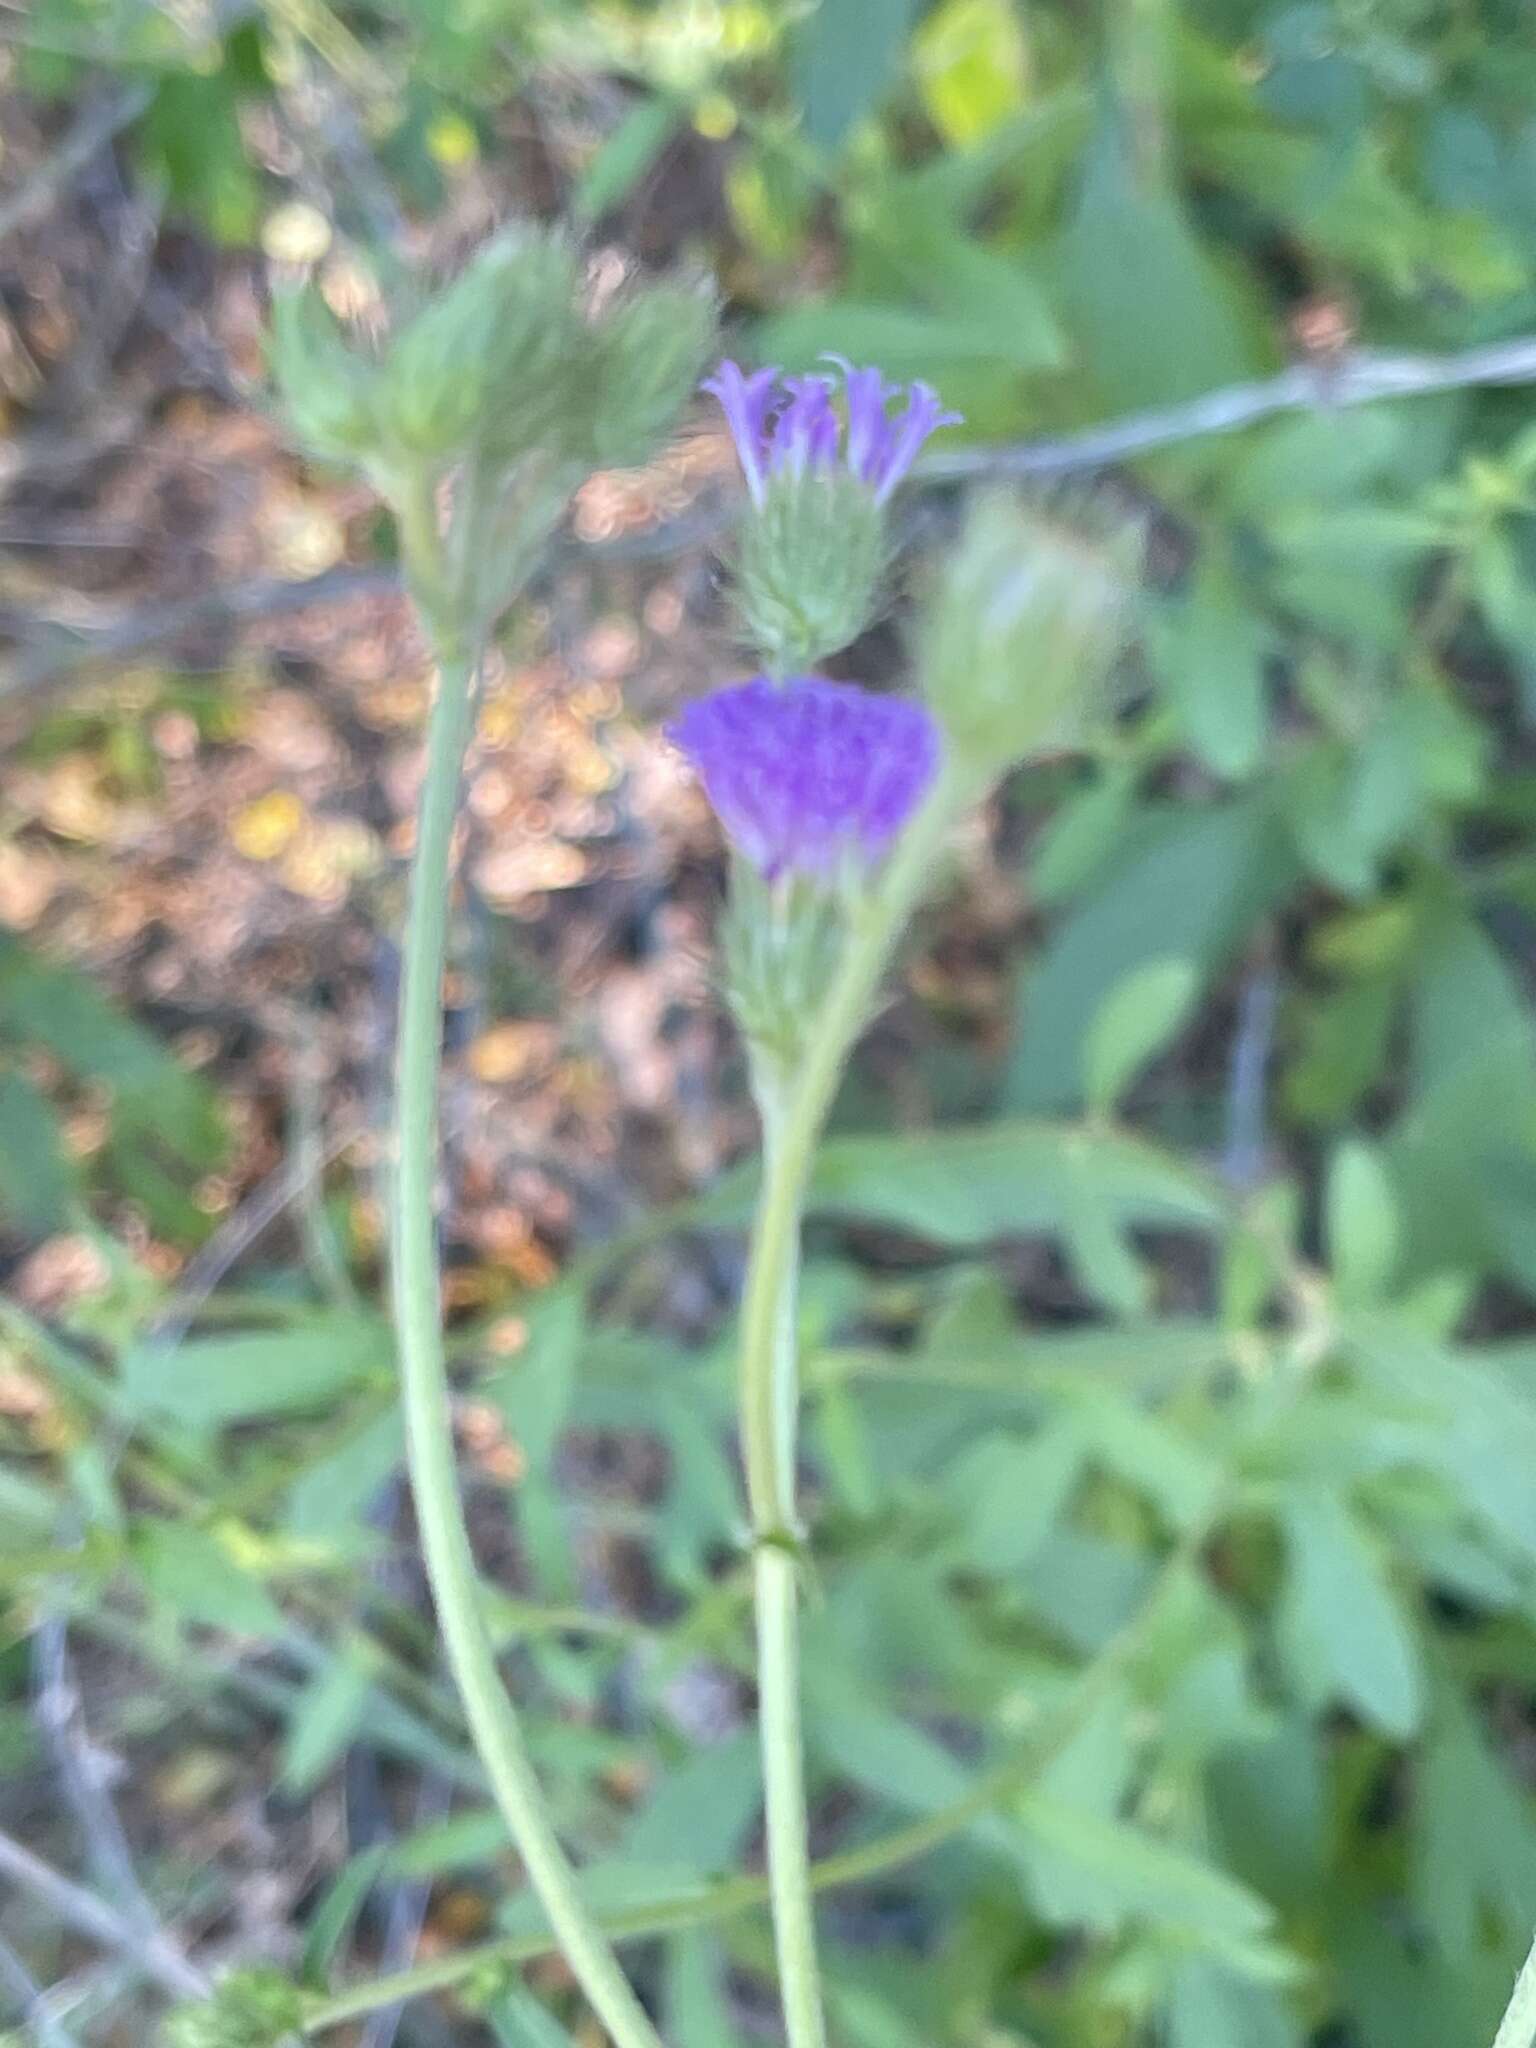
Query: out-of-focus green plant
{"type": "Point", "coordinates": [1217, 1486]}
{"type": "Point", "coordinates": [494, 397]}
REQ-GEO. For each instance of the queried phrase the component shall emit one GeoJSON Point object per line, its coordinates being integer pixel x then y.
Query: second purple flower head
{"type": "Point", "coordinates": [787, 426]}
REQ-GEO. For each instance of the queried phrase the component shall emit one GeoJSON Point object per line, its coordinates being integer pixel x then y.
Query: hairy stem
{"type": "Point", "coordinates": [425, 1396]}
{"type": "Point", "coordinates": [793, 1103]}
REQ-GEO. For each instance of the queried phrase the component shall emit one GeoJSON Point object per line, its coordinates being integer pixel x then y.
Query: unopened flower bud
{"type": "Point", "coordinates": [647, 353]}
{"type": "Point", "coordinates": [808, 573]}
{"type": "Point", "coordinates": [1029, 616]}
{"type": "Point", "coordinates": [489, 362]}
{"type": "Point", "coordinates": [327, 391]}
{"type": "Point", "coordinates": [813, 540]}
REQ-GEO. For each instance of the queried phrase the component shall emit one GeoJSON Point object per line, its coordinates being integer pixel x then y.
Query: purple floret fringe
{"type": "Point", "coordinates": [787, 425]}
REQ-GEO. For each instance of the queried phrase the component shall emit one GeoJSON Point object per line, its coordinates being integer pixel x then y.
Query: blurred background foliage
{"type": "Point", "coordinates": [1172, 1369]}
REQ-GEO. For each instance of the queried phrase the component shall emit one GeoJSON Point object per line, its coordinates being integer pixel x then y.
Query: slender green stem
{"type": "Point", "coordinates": [793, 1106]}
{"type": "Point", "coordinates": [769, 1398]}
{"type": "Point", "coordinates": [727, 1897]}
{"type": "Point", "coordinates": [1517, 2029]}
{"type": "Point", "coordinates": [777, 1599]}
{"type": "Point", "coordinates": [492, 1719]}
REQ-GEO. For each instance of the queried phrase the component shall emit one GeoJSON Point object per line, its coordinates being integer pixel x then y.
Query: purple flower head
{"type": "Point", "coordinates": [786, 425]}
{"type": "Point", "coordinates": [809, 775]}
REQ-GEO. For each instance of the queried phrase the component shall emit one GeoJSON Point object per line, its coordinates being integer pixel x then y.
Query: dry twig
{"type": "Point", "coordinates": [93, 127]}
{"type": "Point", "coordinates": [93, 1917]}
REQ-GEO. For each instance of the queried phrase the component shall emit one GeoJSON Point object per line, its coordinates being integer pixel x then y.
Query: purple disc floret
{"type": "Point", "coordinates": [788, 426]}
{"type": "Point", "coordinates": [809, 777]}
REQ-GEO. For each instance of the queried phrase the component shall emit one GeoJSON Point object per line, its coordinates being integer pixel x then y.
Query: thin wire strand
{"type": "Point", "coordinates": [1360, 379]}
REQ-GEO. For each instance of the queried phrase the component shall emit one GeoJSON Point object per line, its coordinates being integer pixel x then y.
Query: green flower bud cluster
{"type": "Point", "coordinates": [645, 356]}
{"type": "Point", "coordinates": [491, 361]}
{"type": "Point", "coordinates": [1029, 616]}
{"type": "Point", "coordinates": [326, 390]}
{"type": "Point", "coordinates": [249, 2009]}
{"type": "Point", "coordinates": [503, 363]}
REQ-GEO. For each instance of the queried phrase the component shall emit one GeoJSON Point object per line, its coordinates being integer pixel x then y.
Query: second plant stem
{"type": "Point", "coordinates": [793, 1098]}
{"type": "Point", "coordinates": [769, 1399]}
{"type": "Point", "coordinates": [425, 1393]}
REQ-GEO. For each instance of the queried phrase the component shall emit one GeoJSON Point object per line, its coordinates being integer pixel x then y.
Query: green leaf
{"type": "Point", "coordinates": [1085, 1587]}
{"type": "Point", "coordinates": [1085, 1869]}
{"type": "Point", "coordinates": [698, 2010]}
{"type": "Point", "coordinates": [518, 2020]}
{"type": "Point", "coordinates": [1271, 1812]}
{"type": "Point", "coordinates": [534, 1392]}
{"type": "Point", "coordinates": [1364, 1227]}
{"type": "Point", "coordinates": [843, 57]}
{"type": "Point", "coordinates": [851, 1732]}
{"type": "Point", "coordinates": [59, 1010]}
{"type": "Point", "coordinates": [1184, 884]}
{"type": "Point", "coordinates": [194, 1575]}
{"type": "Point", "coordinates": [324, 1720]}
{"type": "Point", "coordinates": [1473, 1835]}
{"type": "Point", "coordinates": [191, 139]}
{"type": "Point", "coordinates": [1209, 2005]}
{"type": "Point", "coordinates": [1507, 595]}
{"type": "Point", "coordinates": [1340, 1627]}
{"type": "Point", "coordinates": [1402, 1993]}
{"type": "Point", "coordinates": [29, 1509]}
{"type": "Point", "coordinates": [993, 293]}
{"type": "Point", "coordinates": [1345, 1039]}
{"type": "Point", "coordinates": [905, 342]}
{"type": "Point", "coordinates": [36, 1182]}
{"type": "Point", "coordinates": [1316, 459]}
{"type": "Point", "coordinates": [965, 1186]}
{"type": "Point", "coordinates": [1153, 318]}
{"type": "Point", "coordinates": [1098, 1252]}
{"type": "Point", "coordinates": [1350, 569]}
{"type": "Point", "coordinates": [1096, 1767]}
{"type": "Point", "coordinates": [1009, 1495]}
{"type": "Point", "coordinates": [971, 67]}
{"type": "Point", "coordinates": [331, 1921]}
{"type": "Point", "coordinates": [1349, 806]}
{"type": "Point", "coordinates": [328, 1499]}
{"type": "Point", "coordinates": [1149, 1454]}
{"type": "Point", "coordinates": [1211, 652]}
{"type": "Point", "coordinates": [1144, 1010]}
{"type": "Point", "coordinates": [1463, 1157]}
{"type": "Point", "coordinates": [626, 155]}
{"type": "Point", "coordinates": [1481, 1432]}
{"type": "Point", "coordinates": [1083, 834]}
{"type": "Point", "coordinates": [210, 1381]}
{"type": "Point", "coordinates": [699, 1814]}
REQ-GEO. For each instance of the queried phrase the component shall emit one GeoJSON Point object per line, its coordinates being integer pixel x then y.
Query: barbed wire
{"type": "Point", "coordinates": [1359, 378]}
{"type": "Point", "coordinates": [49, 654]}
